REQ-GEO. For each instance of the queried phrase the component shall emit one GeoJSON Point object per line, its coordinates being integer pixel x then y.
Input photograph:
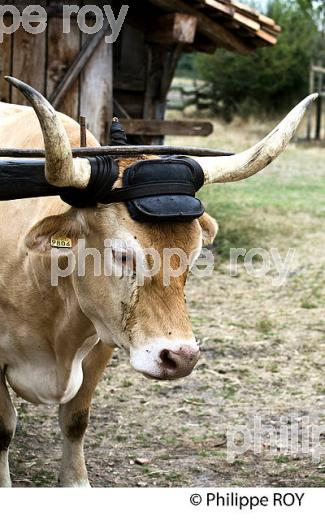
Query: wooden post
{"type": "Point", "coordinates": [96, 91]}
{"type": "Point", "coordinates": [83, 132]}
{"type": "Point", "coordinates": [28, 60]}
{"type": "Point", "coordinates": [319, 110]}
{"type": "Point", "coordinates": [311, 90]}
{"type": "Point", "coordinates": [62, 50]}
{"type": "Point", "coordinates": [159, 79]}
{"type": "Point", "coordinates": [77, 66]}
{"type": "Point", "coordinates": [318, 118]}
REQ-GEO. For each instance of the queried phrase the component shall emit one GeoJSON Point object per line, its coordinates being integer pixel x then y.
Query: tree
{"type": "Point", "coordinates": [315, 9]}
{"type": "Point", "coordinates": [271, 79]}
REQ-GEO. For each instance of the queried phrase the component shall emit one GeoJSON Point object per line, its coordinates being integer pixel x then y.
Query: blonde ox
{"type": "Point", "coordinates": [55, 342]}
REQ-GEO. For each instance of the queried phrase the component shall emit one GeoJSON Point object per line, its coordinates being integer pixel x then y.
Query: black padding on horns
{"type": "Point", "coordinates": [161, 190]}
{"type": "Point", "coordinates": [24, 179]}
{"type": "Point", "coordinates": [154, 190]}
{"type": "Point", "coordinates": [104, 172]}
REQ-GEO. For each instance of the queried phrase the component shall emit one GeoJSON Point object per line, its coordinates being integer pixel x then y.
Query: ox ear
{"type": "Point", "coordinates": [69, 227]}
{"type": "Point", "coordinates": [209, 228]}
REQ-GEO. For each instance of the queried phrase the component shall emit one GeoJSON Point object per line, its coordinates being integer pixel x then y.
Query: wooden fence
{"type": "Point", "coordinates": [180, 97]}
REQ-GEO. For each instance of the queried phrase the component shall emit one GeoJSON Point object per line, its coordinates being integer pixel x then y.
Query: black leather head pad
{"type": "Point", "coordinates": [174, 181]}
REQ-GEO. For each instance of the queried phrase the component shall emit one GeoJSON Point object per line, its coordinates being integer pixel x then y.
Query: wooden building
{"type": "Point", "coordinates": [82, 75]}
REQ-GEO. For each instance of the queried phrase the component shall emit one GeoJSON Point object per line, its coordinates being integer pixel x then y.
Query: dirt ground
{"type": "Point", "coordinates": [263, 356]}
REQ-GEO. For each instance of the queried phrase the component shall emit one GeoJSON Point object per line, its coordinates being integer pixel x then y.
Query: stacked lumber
{"type": "Point", "coordinates": [225, 23]}
{"type": "Point", "coordinates": [251, 24]}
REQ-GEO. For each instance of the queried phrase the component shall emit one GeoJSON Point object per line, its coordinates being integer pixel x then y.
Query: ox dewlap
{"type": "Point", "coordinates": [154, 190]}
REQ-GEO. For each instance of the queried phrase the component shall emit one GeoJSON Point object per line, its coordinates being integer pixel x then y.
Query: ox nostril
{"type": "Point", "coordinates": [168, 361]}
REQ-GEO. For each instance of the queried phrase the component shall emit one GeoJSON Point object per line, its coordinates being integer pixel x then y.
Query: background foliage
{"type": "Point", "coordinates": [271, 79]}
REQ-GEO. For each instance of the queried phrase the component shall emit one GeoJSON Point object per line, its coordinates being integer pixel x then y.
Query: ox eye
{"type": "Point", "coordinates": [126, 261]}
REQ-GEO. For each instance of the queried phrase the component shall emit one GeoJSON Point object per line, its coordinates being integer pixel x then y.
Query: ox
{"type": "Point", "coordinates": [55, 342]}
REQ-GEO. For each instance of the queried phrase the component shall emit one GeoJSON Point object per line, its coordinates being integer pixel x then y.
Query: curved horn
{"type": "Point", "coordinates": [245, 164]}
{"type": "Point", "coordinates": [60, 169]}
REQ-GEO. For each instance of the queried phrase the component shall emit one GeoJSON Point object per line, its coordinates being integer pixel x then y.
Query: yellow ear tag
{"type": "Point", "coordinates": [57, 241]}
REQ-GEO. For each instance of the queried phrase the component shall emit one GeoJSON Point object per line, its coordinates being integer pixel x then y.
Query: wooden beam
{"type": "Point", "coordinates": [77, 66]}
{"type": "Point", "coordinates": [244, 15]}
{"type": "Point", "coordinates": [62, 50]}
{"type": "Point", "coordinates": [231, 12]}
{"type": "Point", "coordinates": [267, 37]}
{"type": "Point", "coordinates": [155, 127]}
{"type": "Point", "coordinates": [120, 151]}
{"type": "Point", "coordinates": [244, 7]}
{"type": "Point", "coordinates": [225, 9]}
{"type": "Point", "coordinates": [317, 68]}
{"type": "Point", "coordinates": [211, 29]}
{"type": "Point", "coordinates": [6, 50]}
{"type": "Point", "coordinates": [202, 44]}
{"type": "Point", "coordinates": [28, 61]}
{"type": "Point", "coordinates": [172, 28]}
{"type": "Point", "coordinates": [121, 112]}
{"type": "Point", "coordinates": [96, 89]}
{"type": "Point", "coordinates": [268, 21]}
{"type": "Point", "coordinates": [247, 22]}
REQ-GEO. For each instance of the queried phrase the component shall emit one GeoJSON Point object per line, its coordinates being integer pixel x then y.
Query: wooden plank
{"type": "Point", "coordinates": [225, 9]}
{"type": "Point", "coordinates": [317, 68]}
{"type": "Point", "coordinates": [244, 7]}
{"type": "Point", "coordinates": [6, 51]}
{"type": "Point", "coordinates": [62, 51]}
{"type": "Point", "coordinates": [266, 20]}
{"type": "Point", "coordinates": [244, 10]}
{"type": "Point", "coordinates": [247, 22]}
{"type": "Point", "coordinates": [212, 29]}
{"type": "Point", "coordinates": [267, 37]}
{"type": "Point", "coordinates": [244, 20]}
{"type": "Point", "coordinates": [29, 59]}
{"type": "Point", "coordinates": [154, 127]}
{"type": "Point", "coordinates": [96, 91]}
{"type": "Point", "coordinates": [172, 28]}
{"type": "Point", "coordinates": [77, 66]}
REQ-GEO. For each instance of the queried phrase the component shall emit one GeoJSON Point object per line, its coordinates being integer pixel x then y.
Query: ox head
{"type": "Point", "coordinates": [150, 319]}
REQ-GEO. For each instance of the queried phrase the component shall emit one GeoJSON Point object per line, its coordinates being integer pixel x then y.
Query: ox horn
{"type": "Point", "coordinates": [60, 168]}
{"type": "Point", "coordinates": [245, 164]}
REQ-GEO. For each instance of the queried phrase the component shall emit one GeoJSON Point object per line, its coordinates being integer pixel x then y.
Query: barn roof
{"type": "Point", "coordinates": [225, 23]}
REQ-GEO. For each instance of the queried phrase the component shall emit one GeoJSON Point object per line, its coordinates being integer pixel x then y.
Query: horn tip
{"type": "Point", "coordinates": [29, 92]}
{"type": "Point", "coordinates": [312, 97]}
{"type": "Point", "coordinates": [10, 79]}
{"type": "Point", "coordinates": [15, 82]}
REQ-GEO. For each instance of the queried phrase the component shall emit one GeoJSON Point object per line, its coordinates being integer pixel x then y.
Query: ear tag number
{"type": "Point", "coordinates": [61, 242]}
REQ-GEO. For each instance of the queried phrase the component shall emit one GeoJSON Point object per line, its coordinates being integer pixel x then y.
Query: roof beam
{"type": "Point", "coordinates": [211, 29]}
{"type": "Point", "coordinates": [172, 28]}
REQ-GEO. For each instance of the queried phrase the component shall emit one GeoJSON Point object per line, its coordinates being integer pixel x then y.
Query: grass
{"type": "Point", "coordinates": [268, 207]}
